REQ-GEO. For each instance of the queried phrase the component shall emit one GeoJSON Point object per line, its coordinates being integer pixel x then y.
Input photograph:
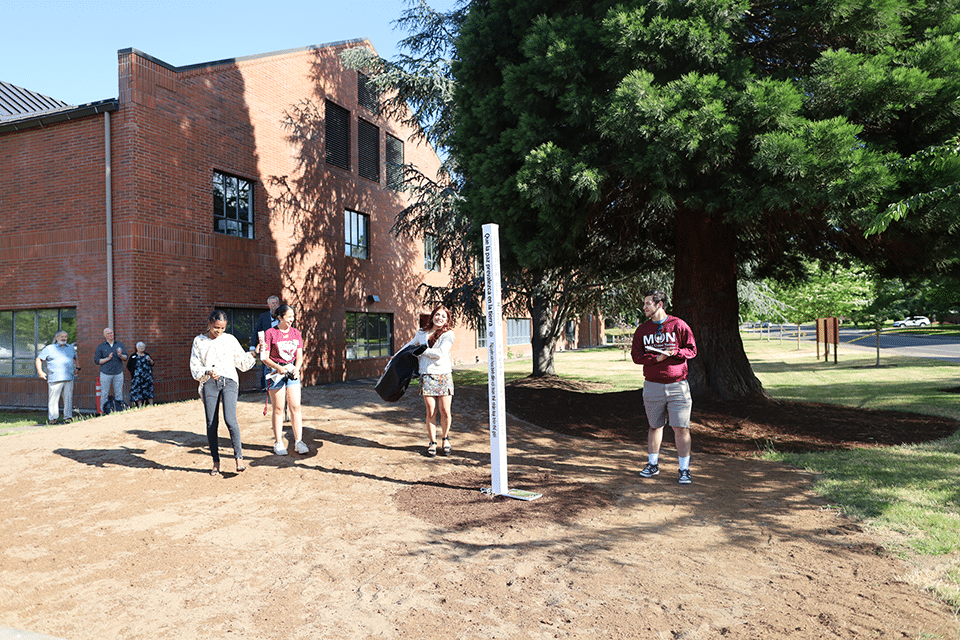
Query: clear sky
{"type": "Point", "coordinates": [67, 49]}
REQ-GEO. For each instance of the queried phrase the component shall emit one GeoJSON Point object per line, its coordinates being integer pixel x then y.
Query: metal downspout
{"type": "Point", "coordinates": [109, 170]}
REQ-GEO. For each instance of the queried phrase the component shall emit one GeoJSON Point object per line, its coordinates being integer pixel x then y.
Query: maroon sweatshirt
{"type": "Point", "coordinates": [673, 332]}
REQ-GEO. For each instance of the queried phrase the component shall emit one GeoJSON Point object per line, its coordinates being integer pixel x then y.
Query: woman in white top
{"type": "Point", "coordinates": [214, 360]}
{"type": "Point", "coordinates": [436, 376]}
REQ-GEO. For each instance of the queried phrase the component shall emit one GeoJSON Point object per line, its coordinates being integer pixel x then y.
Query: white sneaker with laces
{"type": "Point", "coordinates": [301, 447]}
{"type": "Point", "coordinates": [279, 449]}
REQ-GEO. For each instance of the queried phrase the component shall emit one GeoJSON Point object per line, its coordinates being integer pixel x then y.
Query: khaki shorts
{"type": "Point", "coordinates": [667, 403]}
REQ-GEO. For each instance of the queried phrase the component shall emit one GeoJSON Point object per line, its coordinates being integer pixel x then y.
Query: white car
{"type": "Point", "coordinates": [913, 321]}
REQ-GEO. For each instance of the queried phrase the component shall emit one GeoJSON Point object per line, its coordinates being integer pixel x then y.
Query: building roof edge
{"type": "Point", "coordinates": [47, 118]}
{"type": "Point", "coordinates": [225, 61]}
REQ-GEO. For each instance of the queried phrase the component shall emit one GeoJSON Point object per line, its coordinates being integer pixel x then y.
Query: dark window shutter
{"type": "Point", "coordinates": [338, 135]}
{"type": "Point", "coordinates": [367, 95]}
{"type": "Point", "coordinates": [368, 150]}
{"type": "Point", "coordinates": [394, 153]}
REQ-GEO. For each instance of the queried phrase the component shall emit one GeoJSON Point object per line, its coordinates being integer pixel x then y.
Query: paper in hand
{"type": "Point", "coordinates": [666, 353]}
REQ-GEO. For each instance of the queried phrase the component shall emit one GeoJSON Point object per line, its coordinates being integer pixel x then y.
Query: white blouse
{"type": "Point", "coordinates": [436, 359]}
{"type": "Point", "coordinates": [222, 355]}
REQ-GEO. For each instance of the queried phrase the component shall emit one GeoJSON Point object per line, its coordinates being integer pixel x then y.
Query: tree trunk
{"type": "Point", "coordinates": [705, 296]}
{"type": "Point", "coordinates": [542, 336]}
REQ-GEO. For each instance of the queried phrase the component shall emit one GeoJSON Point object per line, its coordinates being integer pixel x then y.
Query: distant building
{"type": "Point", "coordinates": [209, 186]}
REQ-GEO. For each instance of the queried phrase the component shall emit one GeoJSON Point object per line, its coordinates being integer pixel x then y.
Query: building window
{"type": "Point", "coordinates": [368, 335]}
{"type": "Point", "coordinates": [367, 95]}
{"type": "Point", "coordinates": [431, 261]}
{"type": "Point", "coordinates": [240, 323]}
{"type": "Point", "coordinates": [482, 333]}
{"type": "Point", "coordinates": [357, 227]}
{"type": "Point", "coordinates": [368, 150]}
{"type": "Point", "coordinates": [338, 135]}
{"type": "Point", "coordinates": [232, 205]}
{"type": "Point", "coordinates": [24, 333]}
{"type": "Point", "coordinates": [518, 331]}
{"type": "Point", "coordinates": [394, 157]}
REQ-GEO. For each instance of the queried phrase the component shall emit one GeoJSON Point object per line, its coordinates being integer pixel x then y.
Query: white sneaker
{"type": "Point", "coordinates": [279, 449]}
{"type": "Point", "coordinates": [301, 448]}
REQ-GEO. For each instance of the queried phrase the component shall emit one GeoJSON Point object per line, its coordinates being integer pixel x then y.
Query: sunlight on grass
{"type": "Point", "coordinates": [899, 383]}
{"type": "Point", "coordinates": [608, 366]}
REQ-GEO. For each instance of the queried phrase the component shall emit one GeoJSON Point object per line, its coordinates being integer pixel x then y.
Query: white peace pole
{"type": "Point", "coordinates": [495, 390]}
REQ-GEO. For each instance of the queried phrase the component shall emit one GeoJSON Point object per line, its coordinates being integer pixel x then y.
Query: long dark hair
{"type": "Point", "coordinates": [448, 326]}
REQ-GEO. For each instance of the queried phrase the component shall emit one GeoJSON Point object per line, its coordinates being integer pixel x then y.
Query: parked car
{"type": "Point", "coordinates": [913, 321]}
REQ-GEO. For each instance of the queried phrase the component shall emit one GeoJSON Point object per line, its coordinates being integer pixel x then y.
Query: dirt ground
{"type": "Point", "coordinates": [112, 527]}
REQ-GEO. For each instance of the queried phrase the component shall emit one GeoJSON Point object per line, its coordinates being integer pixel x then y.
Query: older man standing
{"type": "Point", "coordinates": [62, 366]}
{"type": "Point", "coordinates": [110, 356]}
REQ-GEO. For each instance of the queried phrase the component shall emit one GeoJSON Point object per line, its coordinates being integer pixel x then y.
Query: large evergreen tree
{"type": "Point", "coordinates": [718, 132]}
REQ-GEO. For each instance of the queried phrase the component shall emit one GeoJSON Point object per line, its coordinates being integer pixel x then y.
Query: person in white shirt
{"type": "Point", "coordinates": [214, 360]}
{"type": "Point", "coordinates": [436, 377]}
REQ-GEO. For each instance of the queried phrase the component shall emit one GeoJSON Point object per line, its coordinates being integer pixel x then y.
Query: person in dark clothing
{"type": "Point", "coordinates": [110, 356]}
{"type": "Point", "coordinates": [265, 320]}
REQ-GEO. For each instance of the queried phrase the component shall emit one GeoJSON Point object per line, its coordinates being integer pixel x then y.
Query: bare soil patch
{"type": "Point", "coordinates": [112, 527]}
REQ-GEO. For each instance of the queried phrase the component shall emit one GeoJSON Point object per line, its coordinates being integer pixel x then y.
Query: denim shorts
{"type": "Point", "coordinates": [281, 383]}
{"type": "Point", "coordinates": [667, 403]}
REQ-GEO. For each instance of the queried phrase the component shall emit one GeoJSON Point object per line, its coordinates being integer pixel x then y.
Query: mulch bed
{"type": "Point", "coordinates": [743, 428]}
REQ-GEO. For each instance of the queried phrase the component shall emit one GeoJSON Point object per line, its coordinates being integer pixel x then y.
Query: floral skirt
{"type": "Point", "coordinates": [436, 384]}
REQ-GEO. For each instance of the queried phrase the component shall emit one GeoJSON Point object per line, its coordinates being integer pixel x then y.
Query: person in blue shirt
{"type": "Point", "coordinates": [62, 367]}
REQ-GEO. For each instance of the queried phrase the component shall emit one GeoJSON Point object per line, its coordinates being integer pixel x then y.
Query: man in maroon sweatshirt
{"type": "Point", "coordinates": [663, 344]}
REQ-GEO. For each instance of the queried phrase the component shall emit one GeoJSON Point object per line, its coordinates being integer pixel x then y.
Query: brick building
{"type": "Point", "coordinates": [212, 186]}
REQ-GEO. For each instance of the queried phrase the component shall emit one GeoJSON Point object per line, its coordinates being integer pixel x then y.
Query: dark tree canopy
{"type": "Point", "coordinates": [609, 136]}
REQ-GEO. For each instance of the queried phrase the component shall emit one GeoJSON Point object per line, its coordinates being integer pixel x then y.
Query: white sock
{"type": "Point", "coordinates": [684, 462]}
{"type": "Point", "coordinates": [654, 458]}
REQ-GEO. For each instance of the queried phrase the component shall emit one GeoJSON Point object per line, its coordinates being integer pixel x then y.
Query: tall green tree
{"type": "Point", "coordinates": [715, 132]}
{"type": "Point", "coordinates": [833, 292]}
{"type": "Point", "coordinates": [551, 283]}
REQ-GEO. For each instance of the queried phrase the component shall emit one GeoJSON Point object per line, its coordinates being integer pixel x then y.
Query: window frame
{"type": "Point", "coordinates": [356, 247]}
{"type": "Point", "coordinates": [431, 262]}
{"type": "Point", "coordinates": [517, 334]}
{"type": "Point", "coordinates": [16, 365]}
{"type": "Point", "coordinates": [237, 315]}
{"type": "Point", "coordinates": [357, 348]}
{"type": "Point", "coordinates": [223, 222]}
{"type": "Point", "coordinates": [482, 333]}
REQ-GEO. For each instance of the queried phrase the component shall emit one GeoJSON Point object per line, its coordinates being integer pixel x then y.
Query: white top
{"type": "Point", "coordinates": [222, 355]}
{"type": "Point", "coordinates": [435, 359]}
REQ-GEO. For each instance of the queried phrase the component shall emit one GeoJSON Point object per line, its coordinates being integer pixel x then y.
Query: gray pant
{"type": "Point", "coordinates": [56, 390]}
{"type": "Point", "coordinates": [108, 382]}
{"type": "Point", "coordinates": [214, 391]}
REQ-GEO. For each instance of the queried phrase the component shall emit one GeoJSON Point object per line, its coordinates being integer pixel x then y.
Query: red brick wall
{"type": "Point", "coordinates": [260, 118]}
{"type": "Point", "coordinates": [53, 235]}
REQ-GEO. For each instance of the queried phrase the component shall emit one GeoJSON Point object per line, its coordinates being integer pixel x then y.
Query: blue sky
{"type": "Point", "coordinates": [68, 49]}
